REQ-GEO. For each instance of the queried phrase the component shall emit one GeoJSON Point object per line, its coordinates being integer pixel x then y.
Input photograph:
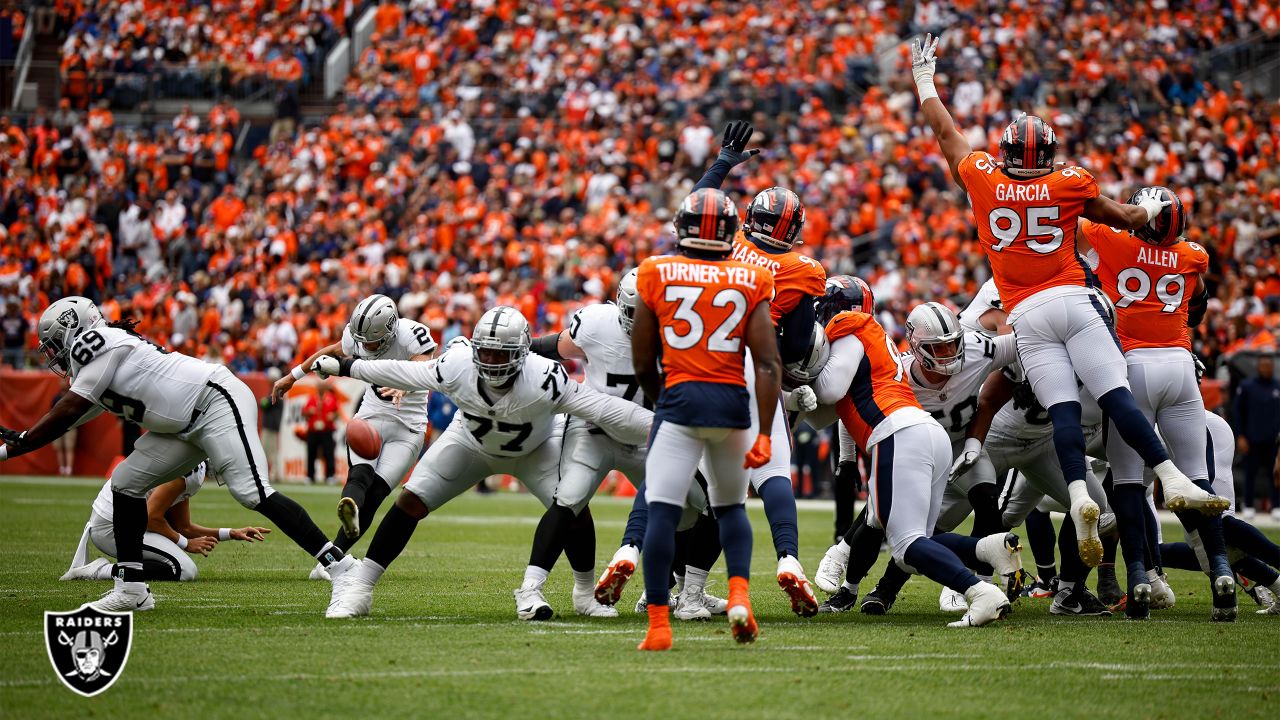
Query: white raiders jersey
{"type": "Point", "coordinates": [129, 376]}
{"type": "Point", "coordinates": [1025, 418]}
{"type": "Point", "coordinates": [953, 405]}
{"type": "Point", "coordinates": [104, 505]}
{"type": "Point", "coordinates": [988, 298]}
{"type": "Point", "coordinates": [597, 330]}
{"type": "Point", "coordinates": [513, 422]}
{"type": "Point", "coordinates": [411, 339]}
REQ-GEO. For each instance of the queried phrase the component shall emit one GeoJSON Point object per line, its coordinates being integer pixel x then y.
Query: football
{"type": "Point", "coordinates": [363, 439]}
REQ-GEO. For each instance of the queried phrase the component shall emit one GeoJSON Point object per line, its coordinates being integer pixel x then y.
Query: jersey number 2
{"type": "Point", "coordinates": [719, 341]}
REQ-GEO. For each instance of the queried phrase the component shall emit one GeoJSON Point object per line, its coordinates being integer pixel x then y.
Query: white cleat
{"type": "Point", "coordinates": [531, 604]}
{"type": "Point", "coordinates": [352, 591]}
{"type": "Point", "coordinates": [1085, 514]}
{"type": "Point", "coordinates": [126, 597]}
{"type": "Point", "coordinates": [319, 573]}
{"type": "Point", "coordinates": [1182, 494]}
{"type": "Point", "coordinates": [830, 573]}
{"type": "Point", "coordinates": [793, 582]}
{"type": "Point", "coordinates": [584, 603]}
{"type": "Point", "coordinates": [642, 604]}
{"type": "Point", "coordinates": [951, 601]}
{"type": "Point", "coordinates": [97, 569]}
{"type": "Point", "coordinates": [986, 605]}
{"type": "Point", "coordinates": [616, 574]}
{"type": "Point", "coordinates": [1267, 599]}
{"type": "Point", "coordinates": [1162, 597]}
{"type": "Point", "coordinates": [698, 606]}
{"type": "Point", "coordinates": [1003, 553]}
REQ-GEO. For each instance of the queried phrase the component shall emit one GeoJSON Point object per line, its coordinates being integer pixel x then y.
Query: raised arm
{"type": "Point", "coordinates": [1123, 215]}
{"type": "Point", "coordinates": [954, 146]}
{"type": "Point", "coordinates": [733, 152]}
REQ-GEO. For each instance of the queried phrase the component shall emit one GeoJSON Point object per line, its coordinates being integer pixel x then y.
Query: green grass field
{"type": "Point", "coordinates": [249, 640]}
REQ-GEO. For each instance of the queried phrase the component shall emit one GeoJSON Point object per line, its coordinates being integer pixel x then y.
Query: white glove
{"type": "Point", "coordinates": [923, 62]}
{"type": "Point", "coordinates": [802, 399]}
{"type": "Point", "coordinates": [967, 459]}
{"type": "Point", "coordinates": [1153, 205]}
{"type": "Point", "coordinates": [326, 366]}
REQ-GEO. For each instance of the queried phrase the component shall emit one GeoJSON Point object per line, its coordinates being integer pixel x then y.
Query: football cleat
{"type": "Point", "coordinates": [1224, 599]}
{"type": "Point", "coordinates": [793, 582]}
{"type": "Point", "coordinates": [1084, 514]}
{"type": "Point", "coordinates": [1003, 553]}
{"type": "Point", "coordinates": [349, 517]}
{"type": "Point", "coordinates": [1107, 526]}
{"type": "Point", "coordinates": [1109, 590]}
{"type": "Point", "coordinates": [830, 573]}
{"type": "Point", "coordinates": [584, 603]}
{"type": "Point", "coordinates": [319, 572]}
{"type": "Point", "coordinates": [126, 597]}
{"type": "Point", "coordinates": [987, 603]}
{"type": "Point", "coordinates": [1267, 599]}
{"type": "Point", "coordinates": [642, 604]}
{"type": "Point", "coordinates": [615, 577]}
{"type": "Point", "coordinates": [1161, 594]}
{"type": "Point", "coordinates": [690, 605]}
{"type": "Point", "coordinates": [714, 605]}
{"type": "Point", "coordinates": [877, 602]}
{"type": "Point", "coordinates": [951, 601]}
{"type": "Point", "coordinates": [531, 604]}
{"type": "Point", "coordinates": [352, 592]}
{"type": "Point", "coordinates": [842, 601]}
{"type": "Point", "coordinates": [1138, 603]}
{"type": "Point", "coordinates": [658, 637]}
{"type": "Point", "coordinates": [742, 623]}
{"type": "Point", "coordinates": [1041, 589]}
{"type": "Point", "coordinates": [97, 569]}
{"type": "Point", "coordinates": [1182, 494]}
{"type": "Point", "coordinates": [1078, 601]}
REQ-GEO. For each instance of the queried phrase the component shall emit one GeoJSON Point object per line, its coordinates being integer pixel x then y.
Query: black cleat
{"type": "Point", "coordinates": [1224, 599]}
{"type": "Point", "coordinates": [842, 601]}
{"type": "Point", "coordinates": [877, 603]}
{"type": "Point", "coordinates": [1041, 589]}
{"type": "Point", "coordinates": [1078, 601]}
{"type": "Point", "coordinates": [1138, 605]}
{"type": "Point", "coordinates": [1109, 591]}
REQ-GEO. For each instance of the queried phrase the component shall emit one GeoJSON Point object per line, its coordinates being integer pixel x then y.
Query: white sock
{"type": "Point", "coordinates": [1066, 585]}
{"type": "Point", "coordinates": [371, 570]}
{"type": "Point", "coordinates": [582, 579]}
{"type": "Point", "coordinates": [1167, 470]}
{"type": "Point", "coordinates": [536, 575]}
{"type": "Point", "coordinates": [695, 579]}
{"type": "Point", "coordinates": [850, 586]}
{"type": "Point", "coordinates": [1078, 489]}
{"type": "Point", "coordinates": [842, 546]}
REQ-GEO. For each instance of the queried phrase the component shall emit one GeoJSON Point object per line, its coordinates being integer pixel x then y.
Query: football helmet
{"type": "Point", "coordinates": [775, 218]}
{"type": "Point", "coordinates": [373, 324]}
{"type": "Point", "coordinates": [1028, 147]}
{"type": "Point", "coordinates": [1166, 228]}
{"type": "Point", "coordinates": [626, 299]}
{"type": "Point", "coordinates": [806, 369]}
{"type": "Point", "coordinates": [707, 222]}
{"type": "Point", "coordinates": [843, 293]}
{"type": "Point", "coordinates": [936, 338]}
{"type": "Point", "coordinates": [499, 344]}
{"type": "Point", "coordinates": [59, 327]}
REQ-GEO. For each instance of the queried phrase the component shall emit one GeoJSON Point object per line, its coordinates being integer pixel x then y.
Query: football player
{"type": "Point", "coordinates": [171, 534]}
{"type": "Point", "coordinates": [507, 423]}
{"type": "Point", "coordinates": [1026, 210]}
{"type": "Point", "coordinates": [985, 313]}
{"type": "Point", "coordinates": [865, 379]}
{"type": "Point", "coordinates": [1153, 278]}
{"type": "Point", "coordinates": [698, 314]}
{"type": "Point", "coordinates": [375, 332]}
{"type": "Point", "coordinates": [774, 221]}
{"type": "Point", "coordinates": [192, 410]}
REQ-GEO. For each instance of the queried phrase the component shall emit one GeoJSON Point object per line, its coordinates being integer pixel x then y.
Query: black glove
{"type": "Point", "coordinates": [733, 146]}
{"type": "Point", "coordinates": [15, 442]}
{"type": "Point", "coordinates": [847, 472]}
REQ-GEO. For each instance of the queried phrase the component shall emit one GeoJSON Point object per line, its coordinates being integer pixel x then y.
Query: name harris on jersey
{"type": "Point", "coordinates": [706, 274]}
{"type": "Point", "coordinates": [743, 253]}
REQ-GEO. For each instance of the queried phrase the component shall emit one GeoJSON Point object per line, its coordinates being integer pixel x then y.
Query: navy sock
{"type": "Point", "coordinates": [1040, 536]}
{"type": "Point", "coordinates": [864, 549]}
{"type": "Point", "coordinates": [735, 537]}
{"type": "Point", "coordinates": [1068, 439]}
{"type": "Point", "coordinates": [936, 562]}
{"type": "Point", "coordinates": [780, 509]}
{"type": "Point", "coordinates": [1123, 412]}
{"type": "Point", "coordinates": [1209, 530]}
{"type": "Point", "coordinates": [1249, 539]}
{"type": "Point", "coordinates": [637, 520]}
{"type": "Point", "coordinates": [964, 547]}
{"type": "Point", "coordinates": [1129, 506]}
{"type": "Point", "coordinates": [369, 505]}
{"type": "Point", "coordinates": [892, 580]}
{"type": "Point", "coordinates": [1073, 568]}
{"type": "Point", "coordinates": [1256, 570]}
{"type": "Point", "coordinates": [1179, 556]}
{"type": "Point", "coordinates": [659, 550]}
{"type": "Point", "coordinates": [1109, 545]}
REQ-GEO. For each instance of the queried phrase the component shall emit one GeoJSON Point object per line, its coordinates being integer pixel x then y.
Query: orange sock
{"type": "Point", "coordinates": [739, 591]}
{"type": "Point", "coordinates": [742, 625]}
{"type": "Point", "coordinates": [659, 635]}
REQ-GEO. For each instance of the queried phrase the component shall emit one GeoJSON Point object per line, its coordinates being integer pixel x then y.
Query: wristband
{"type": "Point", "coordinates": [224, 533]}
{"type": "Point", "coordinates": [4, 452]}
{"type": "Point", "coordinates": [925, 89]}
{"type": "Point", "coordinates": [297, 372]}
{"type": "Point", "coordinates": [182, 542]}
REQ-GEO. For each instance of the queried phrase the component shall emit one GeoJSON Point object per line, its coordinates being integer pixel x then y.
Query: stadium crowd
{"type": "Point", "coordinates": [492, 153]}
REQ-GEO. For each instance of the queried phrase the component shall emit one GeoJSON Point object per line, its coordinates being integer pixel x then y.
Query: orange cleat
{"type": "Point", "coordinates": [659, 635]}
{"type": "Point", "coordinates": [742, 623]}
{"type": "Point", "coordinates": [616, 575]}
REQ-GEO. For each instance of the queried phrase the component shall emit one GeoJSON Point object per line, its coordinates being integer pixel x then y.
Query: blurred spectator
{"type": "Point", "coordinates": [320, 417]}
{"type": "Point", "coordinates": [1258, 427]}
{"type": "Point", "coordinates": [13, 334]}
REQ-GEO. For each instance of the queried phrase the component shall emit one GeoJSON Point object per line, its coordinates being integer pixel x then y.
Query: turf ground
{"type": "Point", "coordinates": [249, 639]}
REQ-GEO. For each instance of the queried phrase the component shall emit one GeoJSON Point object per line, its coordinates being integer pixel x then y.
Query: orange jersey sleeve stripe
{"type": "Point", "coordinates": [880, 385]}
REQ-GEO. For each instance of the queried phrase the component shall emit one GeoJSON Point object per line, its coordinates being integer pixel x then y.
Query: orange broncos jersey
{"type": "Point", "coordinates": [1028, 226]}
{"type": "Point", "coordinates": [880, 385]}
{"type": "Point", "coordinates": [794, 275]}
{"type": "Point", "coordinates": [1151, 286]}
{"type": "Point", "coordinates": [702, 308]}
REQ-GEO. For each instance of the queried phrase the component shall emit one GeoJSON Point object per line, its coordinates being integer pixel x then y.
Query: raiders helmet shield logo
{"type": "Point", "coordinates": [88, 648]}
{"type": "Point", "coordinates": [68, 318]}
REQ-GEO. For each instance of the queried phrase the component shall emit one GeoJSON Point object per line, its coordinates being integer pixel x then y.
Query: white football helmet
{"type": "Point", "coordinates": [60, 326]}
{"type": "Point", "coordinates": [806, 369]}
{"type": "Point", "coordinates": [373, 324]}
{"type": "Point", "coordinates": [627, 298]}
{"type": "Point", "coordinates": [500, 343]}
{"type": "Point", "coordinates": [936, 338]}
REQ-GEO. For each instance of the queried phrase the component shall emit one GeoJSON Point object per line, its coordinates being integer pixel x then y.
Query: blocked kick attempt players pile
{"type": "Point", "coordinates": [694, 376]}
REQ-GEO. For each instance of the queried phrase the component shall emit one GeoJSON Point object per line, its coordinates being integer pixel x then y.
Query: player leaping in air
{"type": "Point", "coordinates": [1026, 211]}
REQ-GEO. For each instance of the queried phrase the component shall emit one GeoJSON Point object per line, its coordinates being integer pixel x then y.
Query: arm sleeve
{"type": "Point", "coordinates": [94, 378]}
{"type": "Point", "coordinates": [548, 346]}
{"type": "Point", "coordinates": [837, 375]}
{"type": "Point", "coordinates": [848, 448]}
{"type": "Point", "coordinates": [623, 420]}
{"type": "Point", "coordinates": [399, 374]}
{"type": "Point", "coordinates": [1006, 351]}
{"type": "Point", "coordinates": [714, 176]}
{"type": "Point", "coordinates": [797, 328]}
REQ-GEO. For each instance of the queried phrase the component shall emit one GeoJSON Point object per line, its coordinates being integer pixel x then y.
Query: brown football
{"type": "Point", "coordinates": [363, 439]}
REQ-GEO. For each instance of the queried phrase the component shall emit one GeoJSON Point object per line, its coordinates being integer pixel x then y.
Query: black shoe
{"type": "Point", "coordinates": [877, 603]}
{"type": "Point", "coordinates": [1078, 601]}
{"type": "Point", "coordinates": [1224, 599]}
{"type": "Point", "coordinates": [1109, 591]}
{"type": "Point", "coordinates": [1138, 605]}
{"type": "Point", "coordinates": [1041, 589]}
{"type": "Point", "coordinates": [842, 601]}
